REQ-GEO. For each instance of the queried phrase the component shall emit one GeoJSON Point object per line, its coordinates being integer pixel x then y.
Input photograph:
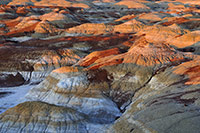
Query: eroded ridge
{"type": "Point", "coordinates": [101, 66]}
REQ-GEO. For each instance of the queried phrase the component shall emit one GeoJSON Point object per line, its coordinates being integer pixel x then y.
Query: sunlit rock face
{"type": "Point", "coordinates": [100, 66]}
{"type": "Point", "coordinates": [52, 60]}
{"type": "Point", "coordinates": [94, 29]}
{"type": "Point", "coordinates": [133, 4]}
{"type": "Point", "coordinates": [143, 52]}
{"type": "Point", "coordinates": [48, 3]}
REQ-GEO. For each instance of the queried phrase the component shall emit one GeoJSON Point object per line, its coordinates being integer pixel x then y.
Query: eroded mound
{"type": "Point", "coordinates": [101, 65]}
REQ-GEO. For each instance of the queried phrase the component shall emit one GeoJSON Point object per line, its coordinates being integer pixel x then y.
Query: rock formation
{"type": "Point", "coordinates": [101, 65]}
{"type": "Point", "coordinates": [169, 94]}
{"type": "Point", "coordinates": [8, 80]}
{"type": "Point", "coordinates": [60, 119]}
{"type": "Point", "coordinates": [133, 4]}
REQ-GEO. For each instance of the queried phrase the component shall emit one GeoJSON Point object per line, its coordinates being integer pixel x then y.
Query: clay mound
{"type": "Point", "coordinates": [12, 23]}
{"type": "Point", "coordinates": [90, 28]}
{"type": "Point", "coordinates": [109, 1]}
{"type": "Point", "coordinates": [175, 26]}
{"type": "Point", "coordinates": [53, 3]}
{"type": "Point", "coordinates": [151, 17]}
{"type": "Point", "coordinates": [60, 3]}
{"type": "Point", "coordinates": [26, 22]}
{"type": "Point", "coordinates": [22, 11]}
{"type": "Point", "coordinates": [26, 25]}
{"type": "Point", "coordinates": [56, 59]}
{"type": "Point", "coordinates": [176, 7]}
{"type": "Point", "coordinates": [130, 26]}
{"type": "Point", "coordinates": [21, 2]}
{"type": "Point", "coordinates": [133, 4]}
{"type": "Point", "coordinates": [45, 27]}
{"type": "Point", "coordinates": [189, 42]}
{"type": "Point", "coordinates": [72, 87]}
{"type": "Point", "coordinates": [48, 3]}
{"type": "Point", "coordinates": [66, 69]}
{"type": "Point", "coordinates": [147, 53]}
{"type": "Point", "coordinates": [189, 2]}
{"type": "Point", "coordinates": [172, 34]}
{"type": "Point", "coordinates": [81, 5]}
{"type": "Point", "coordinates": [60, 20]}
{"type": "Point", "coordinates": [49, 118]}
{"type": "Point", "coordinates": [191, 69]}
{"type": "Point", "coordinates": [185, 22]}
{"type": "Point", "coordinates": [173, 20]}
{"type": "Point", "coordinates": [126, 18]}
{"type": "Point", "coordinates": [49, 24]}
{"type": "Point", "coordinates": [142, 52]}
{"type": "Point", "coordinates": [158, 33]}
{"type": "Point", "coordinates": [91, 58]}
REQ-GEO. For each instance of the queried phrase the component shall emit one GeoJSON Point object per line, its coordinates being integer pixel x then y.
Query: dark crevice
{"type": "Point", "coordinates": [155, 72]}
{"type": "Point", "coordinates": [188, 49]}
{"type": "Point", "coordinates": [98, 76]}
{"type": "Point", "coordinates": [3, 94]}
{"type": "Point", "coordinates": [176, 97]}
{"type": "Point", "coordinates": [132, 130]}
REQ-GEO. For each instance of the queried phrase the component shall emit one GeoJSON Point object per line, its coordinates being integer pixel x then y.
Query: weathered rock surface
{"type": "Point", "coordinates": [9, 80]}
{"type": "Point", "coordinates": [133, 4]}
{"type": "Point", "coordinates": [48, 3]}
{"type": "Point", "coordinates": [56, 59]}
{"type": "Point", "coordinates": [168, 103]}
{"type": "Point", "coordinates": [101, 65]}
{"type": "Point", "coordinates": [93, 29]}
{"type": "Point", "coordinates": [74, 89]}
{"type": "Point", "coordinates": [59, 119]}
{"type": "Point", "coordinates": [142, 52]}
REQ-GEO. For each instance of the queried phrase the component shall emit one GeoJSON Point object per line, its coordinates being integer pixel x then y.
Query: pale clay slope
{"type": "Point", "coordinates": [59, 119]}
{"type": "Point", "coordinates": [164, 95]}
{"type": "Point", "coordinates": [16, 96]}
{"type": "Point", "coordinates": [87, 101]}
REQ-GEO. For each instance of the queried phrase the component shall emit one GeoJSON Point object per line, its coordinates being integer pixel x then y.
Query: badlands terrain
{"type": "Point", "coordinates": [99, 66]}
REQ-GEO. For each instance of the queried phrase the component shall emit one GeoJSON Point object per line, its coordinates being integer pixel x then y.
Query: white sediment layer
{"type": "Point", "coordinates": [15, 96]}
